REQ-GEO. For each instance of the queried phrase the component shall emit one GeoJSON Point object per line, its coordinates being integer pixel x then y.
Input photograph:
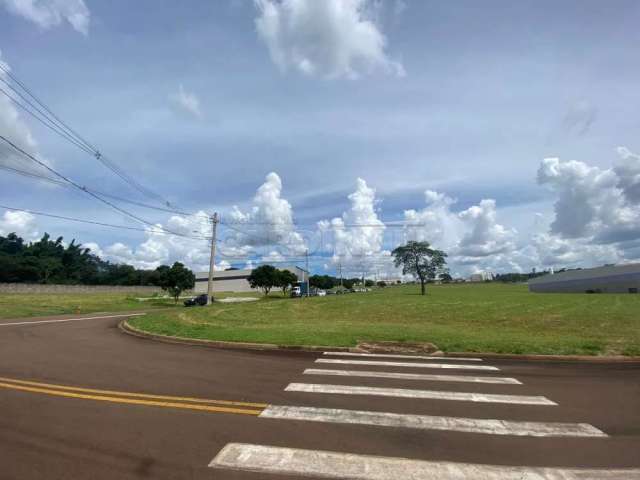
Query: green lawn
{"type": "Point", "coordinates": [16, 305]}
{"type": "Point", "coordinates": [474, 318]}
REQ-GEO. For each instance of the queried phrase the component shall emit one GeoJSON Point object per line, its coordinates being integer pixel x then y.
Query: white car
{"type": "Point", "coordinates": [322, 293]}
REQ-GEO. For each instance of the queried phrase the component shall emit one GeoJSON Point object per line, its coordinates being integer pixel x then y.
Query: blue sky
{"type": "Point", "coordinates": [464, 98]}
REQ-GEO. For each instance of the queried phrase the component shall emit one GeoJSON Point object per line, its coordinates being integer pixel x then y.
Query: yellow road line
{"type": "Point", "coordinates": [104, 398]}
{"type": "Point", "coordinates": [134, 395]}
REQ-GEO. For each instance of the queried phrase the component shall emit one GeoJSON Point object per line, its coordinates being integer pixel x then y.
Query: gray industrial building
{"type": "Point", "coordinates": [608, 279]}
{"type": "Point", "coordinates": [236, 280]}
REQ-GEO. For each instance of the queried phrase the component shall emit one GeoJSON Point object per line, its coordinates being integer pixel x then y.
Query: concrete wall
{"type": "Point", "coordinates": [39, 288]}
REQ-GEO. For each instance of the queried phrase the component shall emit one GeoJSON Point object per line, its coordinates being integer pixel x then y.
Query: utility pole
{"type": "Point", "coordinates": [307, 264]}
{"type": "Point", "coordinates": [212, 259]}
{"type": "Point", "coordinates": [340, 267]}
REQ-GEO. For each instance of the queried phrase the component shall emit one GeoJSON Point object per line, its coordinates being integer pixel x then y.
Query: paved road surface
{"type": "Point", "coordinates": [81, 400]}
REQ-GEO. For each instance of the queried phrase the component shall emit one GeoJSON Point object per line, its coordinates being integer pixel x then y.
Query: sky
{"type": "Point", "coordinates": [504, 133]}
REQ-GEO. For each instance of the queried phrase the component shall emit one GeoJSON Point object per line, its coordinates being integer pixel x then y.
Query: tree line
{"type": "Point", "coordinates": [327, 282]}
{"type": "Point", "coordinates": [50, 261]}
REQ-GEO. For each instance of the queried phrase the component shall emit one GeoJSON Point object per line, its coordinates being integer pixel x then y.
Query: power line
{"type": "Point", "coordinates": [44, 121]}
{"type": "Point", "coordinates": [60, 183]}
{"type": "Point", "coordinates": [92, 222]}
{"type": "Point", "coordinates": [65, 131]}
{"type": "Point", "coordinates": [80, 187]}
{"type": "Point", "coordinates": [348, 225]}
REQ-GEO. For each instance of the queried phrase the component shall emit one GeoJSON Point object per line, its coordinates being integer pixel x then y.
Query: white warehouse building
{"type": "Point", "coordinates": [608, 279]}
{"type": "Point", "coordinates": [236, 280]}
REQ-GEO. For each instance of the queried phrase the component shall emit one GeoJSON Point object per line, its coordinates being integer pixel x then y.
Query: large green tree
{"type": "Point", "coordinates": [285, 280]}
{"type": "Point", "coordinates": [421, 261]}
{"type": "Point", "coordinates": [175, 279]}
{"type": "Point", "coordinates": [264, 277]}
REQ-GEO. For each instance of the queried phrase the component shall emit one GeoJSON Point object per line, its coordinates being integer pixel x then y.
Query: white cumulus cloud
{"type": "Point", "coordinates": [484, 236]}
{"type": "Point", "coordinates": [628, 171]}
{"type": "Point", "coordinates": [593, 202]}
{"type": "Point", "coordinates": [51, 13]}
{"type": "Point", "coordinates": [268, 223]}
{"type": "Point", "coordinates": [436, 223]}
{"type": "Point", "coordinates": [357, 237]}
{"type": "Point", "coordinates": [13, 127]}
{"type": "Point", "coordinates": [329, 38]}
{"type": "Point", "coordinates": [22, 224]}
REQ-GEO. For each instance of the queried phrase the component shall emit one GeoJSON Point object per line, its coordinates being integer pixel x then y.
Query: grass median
{"type": "Point", "coordinates": [469, 317]}
{"type": "Point", "coordinates": [18, 305]}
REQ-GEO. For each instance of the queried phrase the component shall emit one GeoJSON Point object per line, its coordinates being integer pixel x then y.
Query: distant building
{"type": "Point", "coordinates": [236, 280]}
{"type": "Point", "coordinates": [608, 279]}
{"type": "Point", "coordinates": [481, 277]}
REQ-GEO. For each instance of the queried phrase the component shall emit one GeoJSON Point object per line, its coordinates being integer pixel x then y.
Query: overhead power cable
{"type": "Point", "coordinates": [92, 222]}
{"type": "Point", "coordinates": [88, 192]}
{"type": "Point", "coordinates": [52, 121]}
{"type": "Point", "coordinates": [60, 183]}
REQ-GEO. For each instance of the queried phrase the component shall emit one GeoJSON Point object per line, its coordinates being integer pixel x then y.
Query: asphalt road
{"type": "Point", "coordinates": [82, 400]}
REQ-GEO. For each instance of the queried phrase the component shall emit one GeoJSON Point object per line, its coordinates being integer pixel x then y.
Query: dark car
{"type": "Point", "coordinates": [199, 300]}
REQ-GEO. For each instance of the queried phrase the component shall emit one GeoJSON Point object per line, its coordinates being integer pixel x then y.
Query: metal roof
{"type": "Point", "coordinates": [588, 273]}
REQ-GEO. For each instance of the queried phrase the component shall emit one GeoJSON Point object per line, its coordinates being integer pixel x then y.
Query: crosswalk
{"type": "Point", "coordinates": [293, 461]}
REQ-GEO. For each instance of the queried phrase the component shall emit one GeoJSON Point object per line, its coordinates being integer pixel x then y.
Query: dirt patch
{"type": "Point", "coordinates": [399, 347]}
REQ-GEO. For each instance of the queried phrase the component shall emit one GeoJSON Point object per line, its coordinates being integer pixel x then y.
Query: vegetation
{"type": "Point", "coordinates": [421, 261]}
{"type": "Point", "coordinates": [51, 261]}
{"type": "Point", "coordinates": [17, 305]}
{"type": "Point", "coordinates": [486, 317]}
{"type": "Point", "coordinates": [266, 277]}
{"type": "Point", "coordinates": [327, 282]}
{"type": "Point", "coordinates": [175, 279]}
{"type": "Point", "coordinates": [517, 277]}
{"type": "Point", "coordinates": [285, 279]}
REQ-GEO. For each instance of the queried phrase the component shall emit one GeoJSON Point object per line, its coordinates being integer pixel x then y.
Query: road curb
{"type": "Point", "coordinates": [554, 358]}
{"type": "Point", "coordinates": [130, 330]}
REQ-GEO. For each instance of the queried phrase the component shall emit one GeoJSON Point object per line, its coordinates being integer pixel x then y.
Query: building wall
{"type": "Point", "coordinates": [224, 285]}
{"type": "Point", "coordinates": [236, 280]}
{"type": "Point", "coordinates": [620, 279]}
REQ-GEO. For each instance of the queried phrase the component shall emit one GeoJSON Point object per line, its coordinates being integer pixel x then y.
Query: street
{"type": "Point", "coordinates": [81, 399]}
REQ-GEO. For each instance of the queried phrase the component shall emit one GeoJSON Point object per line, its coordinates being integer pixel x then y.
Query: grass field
{"type": "Point", "coordinates": [469, 317]}
{"type": "Point", "coordinates": [16, 305]}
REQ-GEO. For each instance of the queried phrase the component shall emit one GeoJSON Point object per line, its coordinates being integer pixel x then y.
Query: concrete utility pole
{"type": "Point", "coordinates": [340, 267]}
{"type": "Point", "coordinates": [212, 259]}
{"type": "Point", "coordinates": [307, 263]}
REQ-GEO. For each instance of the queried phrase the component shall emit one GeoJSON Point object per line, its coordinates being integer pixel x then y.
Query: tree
{"type": "Point", "coordinates": [382, 284]}
{"type": "Point", "coordinates": [369, 283]}
{"type": "Point", "coordinates": [265, 277]}
{"type": "Point", "coordinates": [420, 260]}
{"type": "Point", "coordinates": [175, 279]}
{"type": "Point", "coordinates": [446, 277]}
{"type": "Point", "coordinates": [285, 280]}
{"type": "Point", "coordinates": [324, 282]}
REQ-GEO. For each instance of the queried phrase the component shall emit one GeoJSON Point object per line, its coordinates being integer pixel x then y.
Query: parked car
{"type": "Point", "coordinates": [321, 293]}
{"type": "Point", "coordinates": [195, 301]}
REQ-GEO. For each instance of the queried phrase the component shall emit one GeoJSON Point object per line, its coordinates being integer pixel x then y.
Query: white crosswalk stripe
{"type": "Point", "coordinates": [324, 464]}
{"type": "Point", "coordinates": [428, 422]}
{"type": "Point", "coordinates": [424, 394]}
{"type": "Point", "coordinates": [393, 355]}
{"type": "Point", "coordinates": [344, 465]}
{"type": "Point", "coordinates": [406, 364]}
{"type": "Point", "coordinates": [413, 376]}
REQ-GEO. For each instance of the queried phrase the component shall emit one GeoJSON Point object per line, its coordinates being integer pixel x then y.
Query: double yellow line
{"type": "Point", "coordinates": [114, 396]}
